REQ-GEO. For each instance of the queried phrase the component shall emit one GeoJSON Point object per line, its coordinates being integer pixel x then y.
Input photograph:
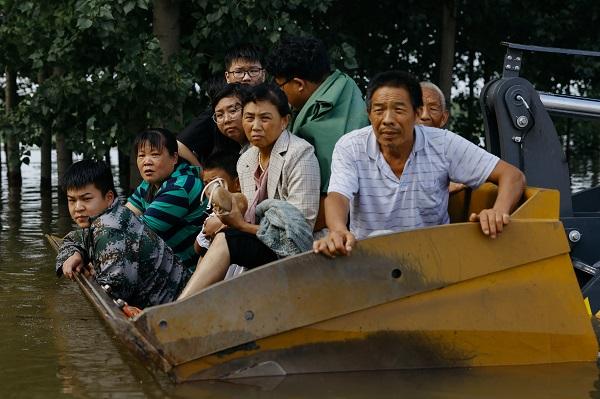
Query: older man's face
{"type": "Point", "coordinates": [433, 113]}
{"type": "Point", "coordinates": [393, 117]}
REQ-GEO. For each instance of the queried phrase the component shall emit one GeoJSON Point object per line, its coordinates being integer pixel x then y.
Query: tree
{"type": "Point", "coordinates": [447, 41]}
{"type": "Point", "coordinates": [166, 26]}
{"type": "Point", "coordinates": [13, 156]}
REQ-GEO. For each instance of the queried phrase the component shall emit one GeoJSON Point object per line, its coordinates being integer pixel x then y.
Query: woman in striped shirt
{"type": "Point", "coordinates": [168, 200]}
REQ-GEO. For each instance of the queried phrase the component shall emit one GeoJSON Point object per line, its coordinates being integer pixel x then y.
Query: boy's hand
{"type": "Point", "coordinates": [88, 270]}
{"type": "Point", "coordinates": [234, 218]}
{"type": "Point", "coordinates": [212, 225]}
{"type": "Point", "coordinates": [74, 264]}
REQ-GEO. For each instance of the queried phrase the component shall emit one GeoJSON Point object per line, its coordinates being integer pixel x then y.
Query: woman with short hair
{"type": "Point", "coordinates": [278, 166]}
{"type": "Point", "coordinates": [168, 200]}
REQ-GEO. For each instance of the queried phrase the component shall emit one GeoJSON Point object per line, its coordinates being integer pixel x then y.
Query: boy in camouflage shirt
{"type": "Point", "coordinates": [113, 245]}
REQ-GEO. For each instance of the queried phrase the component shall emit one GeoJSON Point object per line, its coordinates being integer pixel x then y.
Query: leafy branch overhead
{"type": "Point", "coordinates": [95, 70]}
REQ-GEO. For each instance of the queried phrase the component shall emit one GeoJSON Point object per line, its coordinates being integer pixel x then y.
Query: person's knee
{"type": "Point", "coordinates": [219, 248]}
{"type": "Point", "coordinates": [219, 240]}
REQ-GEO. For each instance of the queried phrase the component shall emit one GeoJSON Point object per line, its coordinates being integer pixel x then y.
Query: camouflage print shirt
{"type": "Point", "coordinates": [133, 260]}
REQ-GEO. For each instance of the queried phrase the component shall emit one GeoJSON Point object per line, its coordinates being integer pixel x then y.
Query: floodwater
{"type": "Point", "coordinates": [54, 345]}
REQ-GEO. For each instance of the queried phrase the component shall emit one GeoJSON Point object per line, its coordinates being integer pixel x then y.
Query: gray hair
{"type": "Point", "coordinates": [429, 85]}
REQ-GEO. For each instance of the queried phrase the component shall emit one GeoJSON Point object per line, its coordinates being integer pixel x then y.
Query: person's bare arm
{"type": "Point", "coordinates": [339, 240]}
{"type": "Point", "coordinates": [187, 154]}
{"type": "Point", "coordinates": [133, 209]}
{"type": "Point", "coordinates": [320, 222]}
{"type": "Point", "coordinates": [511, 183]}
{"type": "Point", "coordinates": [235, 219]}
{"type": "Point", "coordinates": [197, 247]}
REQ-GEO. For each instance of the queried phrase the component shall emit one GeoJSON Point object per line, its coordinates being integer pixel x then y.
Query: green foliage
{"type": "Point", "coordinates": [106, 75]}
{"type": "Point", "coordinates": [214, 26]}
{"type": "Point", "coordinates": [101, 75]}
{"type": "Point", "coordinates": [104, 78]}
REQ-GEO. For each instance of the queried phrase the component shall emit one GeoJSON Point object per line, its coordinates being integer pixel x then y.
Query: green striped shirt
{"type": "Point", "coordinates": [174, 211]}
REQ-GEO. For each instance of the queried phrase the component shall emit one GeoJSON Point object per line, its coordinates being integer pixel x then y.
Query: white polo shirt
{"type": "Point", "coordinates": [380, 200]}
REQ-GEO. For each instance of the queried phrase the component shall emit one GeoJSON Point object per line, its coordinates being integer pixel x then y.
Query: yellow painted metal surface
{"type": "Point", "coordinates": [310, 288]}
{"type": "Point", "coordinates": [539, 203]}
{"type": "Point", "coordinates": [524, 315]}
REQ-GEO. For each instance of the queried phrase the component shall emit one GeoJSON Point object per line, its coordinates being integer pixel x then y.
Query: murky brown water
{"type": "Point", "coordinates": [54, 345]}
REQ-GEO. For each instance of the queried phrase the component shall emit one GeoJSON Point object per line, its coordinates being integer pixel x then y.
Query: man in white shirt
{"type": "Point", "coordinates": [394, 175]}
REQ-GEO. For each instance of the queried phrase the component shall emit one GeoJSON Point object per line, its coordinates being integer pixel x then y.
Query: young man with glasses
{"type": "Point", "coordinates": [243, 64]}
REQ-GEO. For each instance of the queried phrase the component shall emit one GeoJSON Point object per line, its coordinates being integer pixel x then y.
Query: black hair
{"type": "Point", "coordinates": [243, 51]}
{"type": "Point", "coordinates": [268, 92]}
{"type": "Point", "coordinates": [213, 86]}
{"type": "Point", "coordinates": [158, 138]}
{"type": "Point", "coordinates": [229, 90]}
{"type": "Point", "coordinates": [396, 79]}
{"type": "Point", "coordinates": [87, 171]}
{"type": "Point", "coordinates": [226, 160]}
{"type": "Point", "coordinates": [299, 57]}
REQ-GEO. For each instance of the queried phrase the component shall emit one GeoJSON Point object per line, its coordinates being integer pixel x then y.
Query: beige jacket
{"type": "Point", "coordinates": [293, 174]}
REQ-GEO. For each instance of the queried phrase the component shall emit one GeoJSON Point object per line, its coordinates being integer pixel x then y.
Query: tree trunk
{"type": "Point", "coordinates": [166, 26]}
{"type": "Point", "coordinates": [46, 152]}
{"type": "Point", "coordinates": [124, 170]}
{"type": "Point", "coordinates": [134, 173]}
{"type": "Point", "coordinates": [64, 156]}
{"type": "Point", "coordinates": [448, 39]}
{"type": "Point", "coordinates": [472, 103]}
{"type": "Point", "coordinates": [11, 143]}
{"type": "Point", "coordinates": [64, 159]}
{"type": "Point", "coordinates": [46, 159]}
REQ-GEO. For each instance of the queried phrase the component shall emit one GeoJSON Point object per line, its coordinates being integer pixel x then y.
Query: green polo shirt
{"type": "Point", "coordinates": [334, 109]}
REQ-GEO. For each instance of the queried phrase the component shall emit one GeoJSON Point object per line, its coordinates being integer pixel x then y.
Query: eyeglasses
{"type": "Point", "coordinates": [284, 83]}
{"type": "Point", "coordinates": [230, 114]}
{"type": "Point", "coordinates": [240, 73]}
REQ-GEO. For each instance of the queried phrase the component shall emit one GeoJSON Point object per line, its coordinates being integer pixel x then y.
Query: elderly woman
{"type": "Point", "coordinates": [168, 201]}
{"type": "Point", "coordinates": [278, 166]}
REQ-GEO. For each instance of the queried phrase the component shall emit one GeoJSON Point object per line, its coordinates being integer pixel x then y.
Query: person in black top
{"type": "Point", "coordinates": [243, 64]}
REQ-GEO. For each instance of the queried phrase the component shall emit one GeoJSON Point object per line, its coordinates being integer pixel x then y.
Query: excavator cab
{"type": "Point", "coordinates": [518, 129]}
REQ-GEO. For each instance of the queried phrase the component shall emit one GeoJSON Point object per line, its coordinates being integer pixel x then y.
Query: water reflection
{"type": "Point", "coordinates": [585, 171]}
{"type": "Point", "coordinates": [46, 209]}
{"type": "Point", "coordinates": [14, 211]}
{"type": "Point", "coordinates": [575, 380]}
